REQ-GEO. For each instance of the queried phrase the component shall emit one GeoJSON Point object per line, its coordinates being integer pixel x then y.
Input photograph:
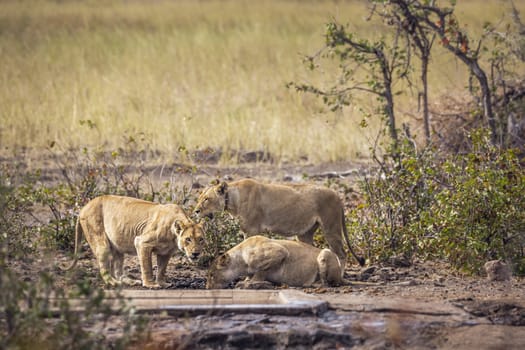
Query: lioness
{"type": "Point", "coordinates": [262, 260]}
{"type": "Point", "coordinates": [283, 209]}
{"type": "Point", "coordinates": [115, 225]}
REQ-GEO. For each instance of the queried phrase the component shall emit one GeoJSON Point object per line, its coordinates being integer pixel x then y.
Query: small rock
{"type": "Point", "coordinates": [408, 283]}
{"type": "Point", "coordinates": [368, 270]}
{"type": "Point", "coordinates": [497, 270]}
{"type": "Point", "coordinates": [374, 278]}
{"type": "Point", "coordinates": [400, 260]}
{"type": "Point", "coordinates": [386, 273]}
{"type": "Point", "coordinates": [439, 279]}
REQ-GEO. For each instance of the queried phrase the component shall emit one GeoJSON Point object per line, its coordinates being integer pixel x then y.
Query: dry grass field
{"type": "Point", "coordinates": [190, 74]}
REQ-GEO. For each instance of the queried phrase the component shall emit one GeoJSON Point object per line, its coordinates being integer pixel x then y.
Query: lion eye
{"type": "Point", "coordinates": [201, 240]}
{"type": "Point", "coordinates": [188, 240]}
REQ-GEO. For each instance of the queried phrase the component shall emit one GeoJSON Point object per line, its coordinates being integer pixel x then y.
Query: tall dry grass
{"type": "Point", "coordinates": [184, 73]}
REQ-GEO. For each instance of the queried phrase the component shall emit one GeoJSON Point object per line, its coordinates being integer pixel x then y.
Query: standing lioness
{"type": "Point", "coordinates": [287, 210]}
{"type": "Point", "coordinates": [262, 260]}
{"type": "Point", "coordinates": [115, 225]}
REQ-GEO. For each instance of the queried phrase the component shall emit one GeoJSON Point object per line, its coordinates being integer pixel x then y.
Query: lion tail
{"type": "Point", "coordinates": [78, 238]}
{"type": "Point", "coordinates": [359, 259]}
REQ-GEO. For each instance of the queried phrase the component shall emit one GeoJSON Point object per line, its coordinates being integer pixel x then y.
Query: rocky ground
{"type": "Point", "coordinates": [421, 306]}
{"type": "Point", "coordinates": [415, 305]}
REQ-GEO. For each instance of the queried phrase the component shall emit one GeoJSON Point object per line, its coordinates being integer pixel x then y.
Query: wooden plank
{"type": "Point", "coordinates": [191, 302]}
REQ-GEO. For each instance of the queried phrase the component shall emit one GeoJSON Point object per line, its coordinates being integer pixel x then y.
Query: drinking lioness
{"type": "Point", "coordinates": [264, 260]}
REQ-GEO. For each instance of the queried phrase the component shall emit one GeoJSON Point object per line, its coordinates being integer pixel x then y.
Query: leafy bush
{"type": "Point", "coordinates": [388, 221]}
{"type": "Point", "coordinates": [467, 208]}
{"type": "Point", "coordinates": [16, 238]}
{"type": "Point", "coordinates": [222, 233]}
{"type": "Point", "coordinates": [479, 214]}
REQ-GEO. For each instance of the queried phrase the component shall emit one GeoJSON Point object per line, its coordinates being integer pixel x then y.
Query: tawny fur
{"type": "Point", "coordinates": [286, 210]}
{"type": "Point", "coordinates": [116, 225]}
{"type": "Point", "coordinates": [263, 259]}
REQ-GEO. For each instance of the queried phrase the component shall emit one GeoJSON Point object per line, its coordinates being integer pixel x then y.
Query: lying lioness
{"type": "Point", "coordinates": [266, 260]}
{"type": "Point", "coordinates": [287, 210]}
{"type": "Point", "coordinates": [115, 225]}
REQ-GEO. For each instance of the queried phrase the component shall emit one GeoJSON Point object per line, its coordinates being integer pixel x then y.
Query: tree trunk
{"type": "Point", "coordinates": [426, 113]}
{"type": "Point", "coordinates": [486, 97]}
{"type": "Point", "coordinates": [389, 108]}
{"type": "Point", "coordinates": [487, 105]}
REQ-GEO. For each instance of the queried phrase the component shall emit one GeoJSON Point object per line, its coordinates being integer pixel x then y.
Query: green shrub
{"type": "Point", "coordinates": [222, 233]}
{"type": "Point", "coordinates": [479, 214]}
{"type": "Point", "coordinates": [467, 208]}
{"type": "Point", "coordinates": [387, 222]}
{"type": "Point", "coordinates": [16, 238]}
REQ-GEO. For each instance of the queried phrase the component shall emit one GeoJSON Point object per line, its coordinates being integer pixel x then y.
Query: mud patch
{"type": "Point", "coordinates": [497, 311]}
{"type": "Point", "coordinates": [187, 283]}
{"type": "Point", "coordinates": [330, 330]}
{"type": "Point", "coordinates": [252, 331]}
{"type": "Point", "coordinates": [261, 339]}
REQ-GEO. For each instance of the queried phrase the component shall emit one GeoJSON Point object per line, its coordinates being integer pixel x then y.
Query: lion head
{"type": "Point", "coordinates": [219, 273]}
{"type": "Point", "coordinates": [212, 200]}
{"type": "Point", "coordinates": [190, 239]}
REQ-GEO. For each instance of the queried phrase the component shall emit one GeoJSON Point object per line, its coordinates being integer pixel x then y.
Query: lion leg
{"type": "Point", "coordinates": [259, 276]}
{"type": "Point", "coordinates": [335, 242]}
{"type": "Point", "coordinates": [103, 254]}
{"type": "Point", "coordinates": [264, 261]}
{"type": "Point", "coordinates": [117, 269]}
{"type": "Point", "coordinates": [99, 243]}
{"type": "Point", "coordinates": [329, 268]}
{"type": "Point", "coordinates": [323, 267]}
{"type": "Point", "coordinates": [103, 257]}
{"type": "Point", "coordinates": [256, 281]}
{"type": "Point", "coordinates": [117, 264]}
{"type": "Point", "coordinates": [162, 264]}
{"type": "Point", "coordinates": [144, 253]}
{"type": "Point", "coordinates": [251, 283]}
{"type": "Point", "coordinates": [308, 236]}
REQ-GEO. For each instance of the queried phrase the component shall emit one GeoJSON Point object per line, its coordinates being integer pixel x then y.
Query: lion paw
{"type": "Point", "coordinates": [151, 285]}
{"type": "Point", "coordinates": [164, 284]}
{"type": "Point", "coordinates": [112, 282]}
{"type": "Point", "coordinates": [130, 281]}
{"type": "Point", "coordinates": [254, 285]}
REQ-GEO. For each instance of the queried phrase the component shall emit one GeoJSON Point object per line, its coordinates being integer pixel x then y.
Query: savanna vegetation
{"type": "Point", "coordinates": [102, 89]}
{"type": "Point", "coordinates": [191, 74]}
{"type": "Point", "coordinates": [454, 194]}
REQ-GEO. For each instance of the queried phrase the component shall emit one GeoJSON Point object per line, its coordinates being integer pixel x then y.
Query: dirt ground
{"type": "Point", "coordinates": [418, 297]}
{"type": "Point", "coordinates": [423, 306]}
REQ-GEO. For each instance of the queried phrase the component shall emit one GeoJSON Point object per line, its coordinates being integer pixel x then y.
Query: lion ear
{"type": "Point", "coordinates": [223, 260]}
{"type": "Point", "coordinates": [223, 187]}
{"type": "Point", "coordinates": [178, 227]}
